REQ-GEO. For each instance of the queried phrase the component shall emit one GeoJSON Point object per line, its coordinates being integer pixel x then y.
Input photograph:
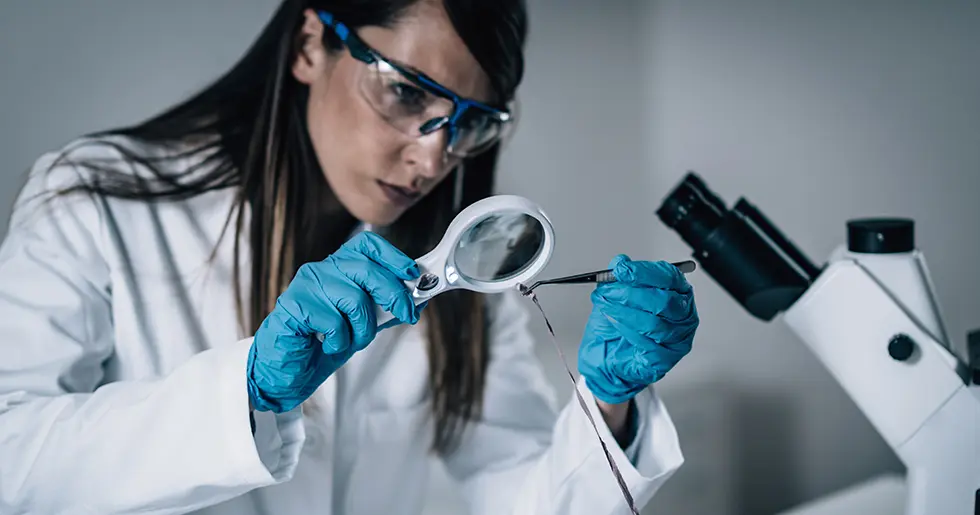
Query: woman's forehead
{"type": "Point", "coordinates": [425, 40]}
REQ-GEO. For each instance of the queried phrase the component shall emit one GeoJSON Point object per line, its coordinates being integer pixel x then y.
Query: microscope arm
{"type": "Point", "coordinates": [849, 322]}
{"type": "Point", "coordinates": [918, 401]}
{"type": "Point", "coordinates": [907, 384]}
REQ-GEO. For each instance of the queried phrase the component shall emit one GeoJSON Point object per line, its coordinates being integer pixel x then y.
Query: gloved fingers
{"type": "Point", "coordinates": [628, 360]}
{"type": "Point", "coordinates": [394, 321]}
{"type": "Point", "coordinates": [379, 250]}
{"type": "Point", "coordinates": [654, 274]}
{"type": "Point", "coordinates": [387, 290]}
{"type": "Point", "coordinates": [668, 305]}
{"type": "Point", "coordinates": [599, 330]}
{"type": "Point", "coordinates": [358, 308]}
{"type": "Point", "coordinates": [642, 328]}
{"type": "Point", "coordinates": [288, 356]}
{"type": "Point", "coordinates": [597, 362]}
{"type": "Point", "coordinates": [311, 298]}
{"type": "Point", "coordinates": [336, 330]}
{"type": "Point", "coordinates": [274, 370]}
{"type": "Point", "coordinates": [650, 367]}
{"type": "Point", "coordinates": [650, 300]}
{"type": "Point", "coordinates": [327, 364]}
{"type": "Point", "coordinates": [636, 354]}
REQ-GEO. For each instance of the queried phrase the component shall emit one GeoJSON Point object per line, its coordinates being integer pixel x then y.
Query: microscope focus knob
{"type": "Point", "coordinates": [901, 347]}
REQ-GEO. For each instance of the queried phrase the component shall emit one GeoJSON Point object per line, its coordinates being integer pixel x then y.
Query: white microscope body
{"type": "Point", "coordinates": [884, 349]}
{"type": "Point", "coordinates": [870, 316]}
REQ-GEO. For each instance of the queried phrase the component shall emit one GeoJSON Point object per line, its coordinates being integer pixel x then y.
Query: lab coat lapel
{"type": "Point", "coordinates": [384, 448]}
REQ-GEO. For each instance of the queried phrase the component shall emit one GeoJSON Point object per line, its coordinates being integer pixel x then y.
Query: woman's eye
{"type": "Point", "coordinates": [407, 94]}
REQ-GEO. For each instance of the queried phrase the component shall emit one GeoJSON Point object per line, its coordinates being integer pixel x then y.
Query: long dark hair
{"type": "Point", "coordinates": [248, 131]}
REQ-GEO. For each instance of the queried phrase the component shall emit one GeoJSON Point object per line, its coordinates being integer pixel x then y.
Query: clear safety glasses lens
{"type": "Point", "coordinates": [412, 109]}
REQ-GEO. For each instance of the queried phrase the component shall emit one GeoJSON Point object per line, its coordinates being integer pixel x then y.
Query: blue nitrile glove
{"type": "Point", "coordinates": [335, 297]}
{"type": "Point", "coordinates": [640, 327]}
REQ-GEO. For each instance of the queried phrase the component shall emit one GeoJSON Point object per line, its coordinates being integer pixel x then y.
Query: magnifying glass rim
{"type": "Point", "coordinates": [479, 211]}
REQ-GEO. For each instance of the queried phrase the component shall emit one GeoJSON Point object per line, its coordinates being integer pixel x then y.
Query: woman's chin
{"type": "Point", "coordinates": [376, 213]}
{"type": "Point", "coordinates": [375, 206]}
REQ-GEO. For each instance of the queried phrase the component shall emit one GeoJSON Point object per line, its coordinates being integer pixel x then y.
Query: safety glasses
{"type": "Point", "coordinates": [416, 105]}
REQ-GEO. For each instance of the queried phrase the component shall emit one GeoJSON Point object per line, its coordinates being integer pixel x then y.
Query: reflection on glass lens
{"type": "Point", "coordinates": [499, 247]}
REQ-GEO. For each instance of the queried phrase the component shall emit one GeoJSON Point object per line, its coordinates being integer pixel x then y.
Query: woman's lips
{"type": "Point", "coordinates": [399, 195]}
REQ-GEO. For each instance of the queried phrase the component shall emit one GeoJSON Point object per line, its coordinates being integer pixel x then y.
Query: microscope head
{"type": "Point", "coordinates": [739, 248]}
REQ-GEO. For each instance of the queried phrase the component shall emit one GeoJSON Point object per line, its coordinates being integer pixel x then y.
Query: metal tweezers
{"type": "Point", "coordinates": [601, 276]}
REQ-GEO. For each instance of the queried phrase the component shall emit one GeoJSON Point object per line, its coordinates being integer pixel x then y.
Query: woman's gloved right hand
{"type": "Point", "coordinates": [335, 297]}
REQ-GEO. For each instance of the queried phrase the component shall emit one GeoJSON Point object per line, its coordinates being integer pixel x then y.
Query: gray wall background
{"type": "Point", "coordinates": [815, 111]}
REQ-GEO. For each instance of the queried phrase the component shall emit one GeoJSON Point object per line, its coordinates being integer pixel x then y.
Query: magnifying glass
{"type": "Point", "coordinates": [490, 247]}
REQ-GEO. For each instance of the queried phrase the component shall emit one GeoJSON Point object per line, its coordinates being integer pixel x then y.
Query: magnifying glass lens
{"type": "Point", "coordinates": [498, 247]}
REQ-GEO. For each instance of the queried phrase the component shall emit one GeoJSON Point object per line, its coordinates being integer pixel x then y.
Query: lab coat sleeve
{"type": "Point", "coordinates": [526, 457]}
{"type": "Point", "coordinates": [71, 444]}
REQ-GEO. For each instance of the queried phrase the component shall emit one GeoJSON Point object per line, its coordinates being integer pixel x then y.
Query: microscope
{"type": "Point", "coordinates": [870, 315]}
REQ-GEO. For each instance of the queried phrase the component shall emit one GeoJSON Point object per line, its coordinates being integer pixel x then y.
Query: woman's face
{"type": "Point", "coordinates": [376, 170]}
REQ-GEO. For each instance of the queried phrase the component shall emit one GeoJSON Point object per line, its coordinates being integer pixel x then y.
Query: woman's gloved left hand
{"type": "Point", "coordinates": [640, 327]}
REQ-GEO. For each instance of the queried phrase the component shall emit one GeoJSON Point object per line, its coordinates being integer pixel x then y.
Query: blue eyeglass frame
{"type": "Point", "coordinates": [364, 53]}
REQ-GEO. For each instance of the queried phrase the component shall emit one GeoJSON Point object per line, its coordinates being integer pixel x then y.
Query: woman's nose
{"type": "Point", "coordinates": [427, 156]}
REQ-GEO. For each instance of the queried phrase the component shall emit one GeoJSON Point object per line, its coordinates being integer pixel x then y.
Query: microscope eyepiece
{"type": "Point", "coordinates": [881, 235]}
{"type": "Point", "coordinates": [739, 248]}
{"type": "Point", "coordinates": [692, 210]}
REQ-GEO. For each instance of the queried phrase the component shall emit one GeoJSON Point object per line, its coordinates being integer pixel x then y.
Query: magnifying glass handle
{"type": "Point", "coordinates": [429, 284]}
{"type": "Point", "coordinates": [386, 319]}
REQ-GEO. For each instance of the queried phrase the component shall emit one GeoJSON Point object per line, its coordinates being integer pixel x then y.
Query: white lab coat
{"type": "Point", "coordinates": [122, 389]}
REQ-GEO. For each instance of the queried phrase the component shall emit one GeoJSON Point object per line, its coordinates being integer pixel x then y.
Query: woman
{"type": "Point", "coordinates": [161, 287]}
